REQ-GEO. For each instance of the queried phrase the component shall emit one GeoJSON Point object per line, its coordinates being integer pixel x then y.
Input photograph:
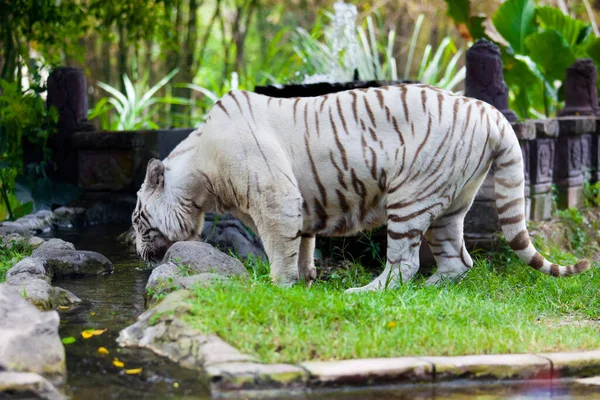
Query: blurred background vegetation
{"type": "Point", "coordinates": [163, 63]}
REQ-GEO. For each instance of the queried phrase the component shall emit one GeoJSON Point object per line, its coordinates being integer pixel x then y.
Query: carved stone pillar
{"type": "Point", "coordinates": [541, 165]}
{"type": "Point", "coordinates": [581, 89]}
{"type": "Point", "coordinates": [484, 78]}
{"type": "Point", "coordinates": [569, 163]}
{"type": "Point", "coordinates": [67, 91]}
{"type": "Point", "coordinates": [595, 154]}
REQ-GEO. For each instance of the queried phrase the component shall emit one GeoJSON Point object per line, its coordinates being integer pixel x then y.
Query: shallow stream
{"type": "Point", "coordinates": [114, 301]}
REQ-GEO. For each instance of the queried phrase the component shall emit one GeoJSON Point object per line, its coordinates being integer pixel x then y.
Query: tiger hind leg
{"type": "Point", "coordinates": [403, 243]}
{"type": "Point", "coordinates": [445, 238]}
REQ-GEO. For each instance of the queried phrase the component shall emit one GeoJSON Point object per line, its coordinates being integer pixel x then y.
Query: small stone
{"type": "Point", "coordinates": [56, 244]}
{"type": "Point", "coordinates": [41, 294]}
{"type": "Point", "coordinates": [61, 259]}
{"type": "Point", "coordinates": [31, 266]}
{"type": "Point", "coordinates": [9, 227]}
{"type": "Point", "coordinates": [35, 241]}
{"type": "Point", "coordinates": [369, 371]}
{"type": "Point", "coordinates": [68, 217]}
{"type": "Point", "coordinates": [30, 340]}
{"type": "Point", "coordinates": [27, 385]}
{"type": "Point", "coordinates": [169, 277]}
{"type": "Point", "coordinates": [200, 257]}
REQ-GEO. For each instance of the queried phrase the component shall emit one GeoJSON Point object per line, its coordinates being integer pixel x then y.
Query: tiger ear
{"type": "Point", "coordinates": [155, 173]}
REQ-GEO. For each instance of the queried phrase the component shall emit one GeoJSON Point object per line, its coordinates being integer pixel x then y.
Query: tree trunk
{"type": "Point", "coordinates": [122, 57]}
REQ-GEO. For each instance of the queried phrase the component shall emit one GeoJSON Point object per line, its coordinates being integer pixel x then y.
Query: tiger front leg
{"type": "Point", "coordinates": [306, 260]}
{"type": "Point", "coordinates": [278, 226]}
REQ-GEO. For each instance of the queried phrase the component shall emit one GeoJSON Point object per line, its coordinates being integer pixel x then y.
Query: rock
{"type": "Point", "coordinates": [32, 280]}
{"type": "Point", "coordinates": [68, 217]}
{"type": "Point", "coordinates": [30, 340]}
{"type": "Point", "coordinates": [9, 227]}
{"type": "Point", "coordinates": [56, 244]}
{"type": "Point", "coordinates": [198, 257]}
{"type": "Point", "coordinates": [11, 239]}
{"type": "Point", "coordinates": [127, 238]}
{"type": "Point", "coordinates": [31, 267]}
{"type": "Point", "coordinates": [35, 241]}
{"type": "Point", "coordinates": [169, 277]}
{"type": "Point", "coordinates": [61, 259]}
{"type": "Point", "coordinates": [162, 329]}
{"type": "Point", "coordinates": [228, 233]}
{"type": "Point", "coordinates": [27, 385]}
{"type": "Point", "coordinates": [35, 224]}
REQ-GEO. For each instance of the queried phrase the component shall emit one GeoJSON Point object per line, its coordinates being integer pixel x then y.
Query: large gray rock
{"type": "Point", "coordinates": [198, 257]}
{"type": "Point", "coordinates": [27, 386]}
{"type": "Point", "coordinates": [169, 277]}
{"type": "Point", "coordinates": [61, 259]}
{"type": "Point", "coordinates": [8, 227]}
{"type": "Point", "coordinates": [30, 279]}
{"type": "Point", "coordinates": [228, 233]}
{"type": "Point", "coordinates": [163, 330]}
{"type": "Point", "coordinates": [29, 338]}
{"type": "Point", "coordinates": [68, 217]}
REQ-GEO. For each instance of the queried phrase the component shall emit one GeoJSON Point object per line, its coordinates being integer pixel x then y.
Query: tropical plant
{"type": "Point", "coordinates": [316, 49]}
{"type": "Point", "coordinates": [136, 107]}
{"type": "Point", "coordinates": [25, 121]}
{"type": "Point", "coordinates": [439, 69]}
{"type": "Point", "coordinates": [538, 44]}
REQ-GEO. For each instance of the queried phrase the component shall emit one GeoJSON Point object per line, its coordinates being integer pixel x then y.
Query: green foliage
{"type": "Point", "coordinates": [538, 44]}
{"type": "Point", "coordinates": [591, 193]}
{"type": "Point", "coordinates": [136, 107]}
{"type": "Point", "coordinates": [11, 251]}
{"type": "Point", "coordinates": [24, 121]}
{"type": "Point", "coordinates": [376, 55]}
{"type": "Point", "coordinates": [515, 20]}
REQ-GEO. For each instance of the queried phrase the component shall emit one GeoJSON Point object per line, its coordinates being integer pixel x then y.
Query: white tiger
{"type": "Point", "coordinates": [411, 156]}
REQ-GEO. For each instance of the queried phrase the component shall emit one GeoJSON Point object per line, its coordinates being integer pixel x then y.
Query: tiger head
{"type": "Point", "coordinates": [162, 216]}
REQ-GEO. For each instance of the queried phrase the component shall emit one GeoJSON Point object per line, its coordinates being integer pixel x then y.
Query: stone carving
{"type": "Point", "coordinates": [581, 93]}
{"type": "Point", "coordinates": [542, 161]}
{"type": "Point", "coordinates": [484, 79]}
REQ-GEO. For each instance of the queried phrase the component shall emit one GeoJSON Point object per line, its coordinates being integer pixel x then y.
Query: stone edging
{"type": "Point", "coordinates": [234, 376]}
{"type": "Point", "coordinates": [163, 329]}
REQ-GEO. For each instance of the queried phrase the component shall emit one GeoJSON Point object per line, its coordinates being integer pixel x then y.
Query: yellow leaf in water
{"type": "Point", "coordinates": [93, 313]}
{"type": "Point", "coordinates": [134, 371]}
{"type": "Point", "coordinates": [391, 324]}
{"type": "Point", "coordinates": [103, 350]}
{"type": "Point", "coordinates": [64, 307]}
{"type": "Point", "coordinates": [92, 332]}
{"type": "Point", "coordinates": [175, 384]}
{"type": "Point", "coordinates": [117, 363]}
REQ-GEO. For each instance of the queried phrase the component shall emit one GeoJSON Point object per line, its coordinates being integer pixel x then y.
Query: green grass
{"type": "Point", "coordinates": [9, 252]}
{"type": "Point", "coordinates": [502, 306]}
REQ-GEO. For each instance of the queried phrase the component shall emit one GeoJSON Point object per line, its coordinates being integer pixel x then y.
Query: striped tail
{"type": "Point", "coordinates": [510, 203]}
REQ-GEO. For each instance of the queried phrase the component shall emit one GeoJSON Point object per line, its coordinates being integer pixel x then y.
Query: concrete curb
{"type": "Point", "coordinates": [227, 377]}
